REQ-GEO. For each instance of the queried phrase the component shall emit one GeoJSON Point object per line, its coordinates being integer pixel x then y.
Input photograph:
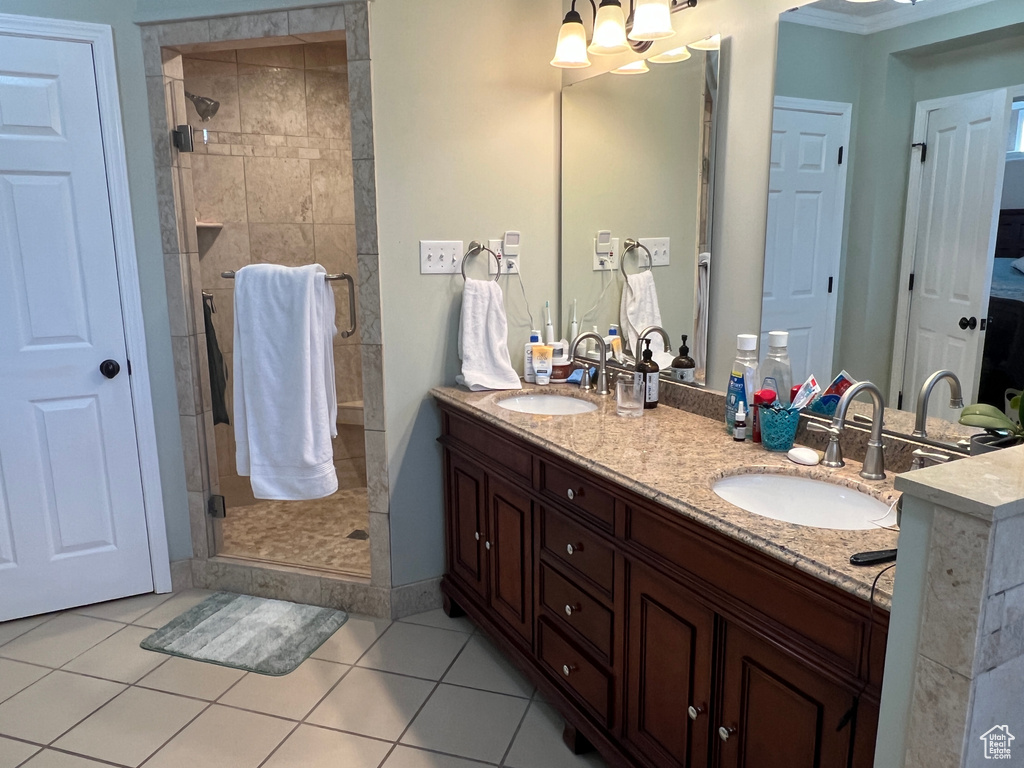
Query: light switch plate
{"type": "Point", "coordinates": [509, 264]}
{"type": "Point", "coordinates": [609, 262]}
{"type": "Point", "coordinates": [659, 248]}
{"type": "Point", "coordinates": [440, 257]}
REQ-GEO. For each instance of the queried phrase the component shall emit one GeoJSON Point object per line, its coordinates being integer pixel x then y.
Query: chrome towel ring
{"type": "Point", "coordinates": [474, 248]}
{"type": "Point", "coordinates": [633, 245]}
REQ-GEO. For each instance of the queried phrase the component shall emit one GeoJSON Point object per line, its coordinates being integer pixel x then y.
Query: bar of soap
{"type": "Point", "coordinates": [802, 455]}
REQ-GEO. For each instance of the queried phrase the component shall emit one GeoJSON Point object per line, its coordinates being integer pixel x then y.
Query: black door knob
{"type": "Point", "coordinates": [966, 323]}
{"type": "Point", "coordinates": [110, 368]}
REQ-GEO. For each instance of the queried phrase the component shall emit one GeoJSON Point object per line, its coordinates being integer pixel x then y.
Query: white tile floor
{"type": "Point", "coordinates": [76, 691]}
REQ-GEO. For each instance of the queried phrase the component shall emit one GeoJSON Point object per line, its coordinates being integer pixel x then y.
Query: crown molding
{"type": "Point", "coordinates": [868, 25]}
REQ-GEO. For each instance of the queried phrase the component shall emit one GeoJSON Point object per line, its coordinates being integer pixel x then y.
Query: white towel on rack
{"type": "Point", "coordinates": [483, 339]}
{"type": "Point", "coordinates": [639, 310]}
{"type": "Point", "coordinates": [285, 402]}
{"type": "Point", "coordinates": [700, 323]}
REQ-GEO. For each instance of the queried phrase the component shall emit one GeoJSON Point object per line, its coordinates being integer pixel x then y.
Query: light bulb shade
{"type": "Point", "coordinates": [652, 20]}
{"type": "Point", "coordinates": [671, 57]}
{"type": "Point", "coordinates": [712, 43]}
{"type": "Point", "coordinates": [571, 50]}
{"type": "Point", "coordinates": [633, 68]}
{"type": "Point", "coordinates": [609, 29]}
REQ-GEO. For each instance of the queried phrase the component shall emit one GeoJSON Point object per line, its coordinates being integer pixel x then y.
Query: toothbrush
{"type": "Point", "coordinates": [549, 329]}
{"type": "Point", "coordinates": [574, 327]}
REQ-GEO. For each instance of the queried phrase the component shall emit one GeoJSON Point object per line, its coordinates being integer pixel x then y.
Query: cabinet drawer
{"type": "Point", "coordinates": [571, 666]}
{"type": "Point", "coordinates": [573, 545]}
{"type": "Point", "coordinates": [489, 446]}
{"type": "Point", "coordinates": [576, 493]}
{"type": "Point", "coordinates": [576, 609]}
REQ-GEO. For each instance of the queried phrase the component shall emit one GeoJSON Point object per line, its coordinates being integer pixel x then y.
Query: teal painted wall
{"type": "Point", "coordinates": [973, 50]}
{"type": "Point", "coordinates": [142, 182]}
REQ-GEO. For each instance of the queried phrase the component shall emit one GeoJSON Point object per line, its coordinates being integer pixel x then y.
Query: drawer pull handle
{"type": "Point", "coordinates": [571, 609]}
{"type": "Point", "coordinates": [725, 732]}
{"type": "Point", "coordinates": [569, 548]}
{"type": "Point", "coordinates": [487, 545]}
{"type": "Point", "coordinates": [568, 669]}
{"type": "Point", "coordinates": [573, 494]}
{"type": "Point", "coordinates": [695, 712]}
{"type": "Point", "coordinates": [476, 535]}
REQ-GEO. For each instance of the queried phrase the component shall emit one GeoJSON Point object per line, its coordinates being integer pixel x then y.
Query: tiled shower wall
{"type": "Point", "coordinates": [276, 173]}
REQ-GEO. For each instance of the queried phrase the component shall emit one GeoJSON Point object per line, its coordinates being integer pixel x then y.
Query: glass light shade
{"type": "Point", "coordinates": [571, 51]}
{"type": "Point", "coordinates": [908, 2]}
{"type": "Point", "coordinates": [652, 20]}
{"type": "Point", "coordinates": [712, 43]}
{"type": "Point", "coordinates": [633, 68]}
{"type": "Point", "coordinates": [609, 29]}
{"type": "Point", "coordinates": [671, 57]}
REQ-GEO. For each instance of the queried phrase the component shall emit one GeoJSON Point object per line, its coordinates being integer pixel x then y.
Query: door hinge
{"type": "Point", "coordinates": [924, 149]}
{"type": "Point", "coordinates": [899, 402]}
{"type": "Point", "coordinates": [841, 155]}
{"type": "Point", "coordinates": [830, 283]}
{"type": "Point", "coordinates": [215, 507]}
{"type": "Point", "coordinates": [910, 285]}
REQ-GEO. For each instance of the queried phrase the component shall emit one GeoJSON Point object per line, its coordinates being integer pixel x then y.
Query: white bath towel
{"type": "Point", "coordinates": [639, 310]}
{"type": "Point", "coordinates": [285, 404]}
{"type": "Point", "coordinates": [483, 339]}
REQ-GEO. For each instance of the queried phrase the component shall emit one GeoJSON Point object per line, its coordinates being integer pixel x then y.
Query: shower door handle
{"type": "Point", "coordinates": [351, 305]}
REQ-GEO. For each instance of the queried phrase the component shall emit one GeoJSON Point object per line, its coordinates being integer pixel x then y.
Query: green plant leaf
{"type": "Point", "coordinates": [986, 417]}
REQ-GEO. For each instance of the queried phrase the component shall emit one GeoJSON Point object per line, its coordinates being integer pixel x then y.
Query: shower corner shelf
{"type": "Point", "coordinates": [208, 224]}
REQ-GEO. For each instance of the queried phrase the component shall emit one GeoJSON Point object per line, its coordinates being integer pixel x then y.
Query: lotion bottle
{"type": "Point", "coordinates": [647, 377]}
{"type": "Point", "coordinates": [684, 367]}
{"type": "Point", "coordinates": [528, 373]}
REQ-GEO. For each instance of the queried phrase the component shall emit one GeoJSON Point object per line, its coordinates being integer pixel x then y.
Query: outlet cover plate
{"type": "Point", "coordinates": [606, 263]}
{"type": "Point", "coordinates": [440, 257]}
{"type": "Point", "coordinates": [659, 248]}
{"type": "Point", "coordinates": [509, 264]}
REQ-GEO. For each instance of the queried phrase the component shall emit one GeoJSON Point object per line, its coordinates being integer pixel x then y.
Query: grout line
{"type": "Point", "coordinates": [177, 733]}
{"type": "Point", "coordinates": [279, 745]}
{"type": "Point", "coordinates": [91, 713]}
{"type": "Point", "coordinates": [515, 735]}
{"type": "Point", "coordinates": [63, 751]}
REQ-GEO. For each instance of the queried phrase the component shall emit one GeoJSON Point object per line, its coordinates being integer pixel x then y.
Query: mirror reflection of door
{"type": "Point", "coordinates": [806, 198]}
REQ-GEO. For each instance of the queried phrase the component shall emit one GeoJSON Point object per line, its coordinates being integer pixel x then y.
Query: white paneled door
{"type": "Point", "coordinates": [806, 194]}
{"type": "Point", "coordinates": [72, 520]}
{"type": "Point", "coordinates": [956, 213]}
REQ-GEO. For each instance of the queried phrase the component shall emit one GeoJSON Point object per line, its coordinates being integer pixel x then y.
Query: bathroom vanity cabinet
{"type": "Point", "coordinates": [660, 641]}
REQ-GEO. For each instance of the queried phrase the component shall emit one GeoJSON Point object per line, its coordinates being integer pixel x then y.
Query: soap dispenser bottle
{"type": "Point", "coordinates": [684, 367]}
{"type": "Point", "coordinates": [647, 377]}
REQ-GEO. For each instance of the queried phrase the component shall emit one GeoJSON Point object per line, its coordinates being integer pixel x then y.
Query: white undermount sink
{"type": "Point", "coordinates": [548, 405]}
{"type": "Point", "coordinates": [804, 501]}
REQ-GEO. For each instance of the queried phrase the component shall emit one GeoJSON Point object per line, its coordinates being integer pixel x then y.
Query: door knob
{"type": "Point", "coordinates": [110, 368]}
{"type": "Point", "coordinates": [968, 322]}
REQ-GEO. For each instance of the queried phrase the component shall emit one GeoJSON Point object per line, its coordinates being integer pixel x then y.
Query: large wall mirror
{"type": "Point", "coordinates": [638, 162]}
{"type": "Point", "coordinates": [896, 200]}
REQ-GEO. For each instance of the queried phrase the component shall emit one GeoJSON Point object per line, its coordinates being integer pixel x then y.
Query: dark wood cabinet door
{"type": "Point", "coordinates": [777, 713]}
{"type": "Point", "coordinates": [467, 523]}
{"type": "Point", "coordinates": [510, 547]}
{"type": "Point", "coordinates": [669, 670]}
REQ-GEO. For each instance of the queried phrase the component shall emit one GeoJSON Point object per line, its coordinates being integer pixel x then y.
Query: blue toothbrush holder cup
{"type": "Point", "coordinates": [778, 428]}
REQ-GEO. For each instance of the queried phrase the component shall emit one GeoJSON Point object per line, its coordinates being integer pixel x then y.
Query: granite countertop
{"type": "Point", "coordinates": [674, 457]}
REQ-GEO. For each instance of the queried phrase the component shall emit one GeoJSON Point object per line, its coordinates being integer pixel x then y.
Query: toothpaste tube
{"type": "Point", "coordinates": [840, 384]}
{"type": "Point", "coordinates": [807, 392]}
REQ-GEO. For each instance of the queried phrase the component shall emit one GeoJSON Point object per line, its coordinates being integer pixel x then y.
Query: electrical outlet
{"type": "Point", "coordinates": [440, 257]}
{"type": "Point", "coordinates": [509, 264]}
{"type": "Point", "coordinates": [609, 262]}
{"type": "Point", "coordinates": [659, 248]}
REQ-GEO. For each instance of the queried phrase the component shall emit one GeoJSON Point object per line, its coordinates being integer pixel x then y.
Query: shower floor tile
{"type": "Point", "coordinates": [310, 534]}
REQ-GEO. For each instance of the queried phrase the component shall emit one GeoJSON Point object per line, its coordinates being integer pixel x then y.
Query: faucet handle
{"type": "Point", "coordinates": [863, 420]}
{"type": "Point", "coordinates": [834, 452]}
{"type": "Point", "coordinates": [831, 430]}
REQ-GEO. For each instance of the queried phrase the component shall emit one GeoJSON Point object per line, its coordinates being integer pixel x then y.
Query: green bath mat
{"type": "Point", "coordinates": [271, 637]}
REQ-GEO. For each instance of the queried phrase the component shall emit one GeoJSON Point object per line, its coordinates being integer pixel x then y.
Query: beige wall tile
{"type": "Point", "coordinates": [219, 184]}
{"type": "Point", "coordinates": [410, 599]}
{"type": "Point", "coordinates": [373, 387]}
{"type": "Point", "coordinates": [287, 244]}
{"type": "Point", "coordinates": [323, 55]}
{"type": "Point", "coordinates": [377, 472]}
{"type": "Point", "coordinates": [351, 473]}
{"type": "Point", "coordinates": [271, 100]}
{"type": "Point", "coordinates": [368, 287]}
{"type": "Point", "coordinates": [185, 383]}
{"type": "Point", "coordinates": [361, 100]}
{"type": "Point", "coordinates": [254, 25]}
{"type": "Point", "coordinates": [213, 55]}
{"type": "Point", "coordinates": [348, 372]}
{"type": "Point", "coordinates": [380, 549]}
{"type": "Point", "coordinates": [158, 93]}
{"type": "Point", "coordinates": [1007, 563]}
{"type": "Point", "coordinates": [283, 585]}
{"type": "Point", "coordinates": [365, 190]}
{"type": "Point", "coordinates": [198, 524]}
{"type": "Point", "coordinates": [216, 80]}
{"type": "Point", "coordinates": [178, 309]}
{"type": "Point", "coordinates": [226, 248]}
{"type": "Point", "coordinates": [187, 215]}
{"type": "Point", "coordinates": [349, 443]}
{"type": "Point", "coordinates": [311, 20]}
{"type": "Point", "coordinates": [167, 199]}
{"type": "Point", "coordinates": [190, 446]}
{"type": "Point", "coordinates": [225, 439]}
{"type": "Point", "coordinates": [327, 110]}
{"type": "Point", "coordinates": [357, 31]}
{"type": "Point", "coordinates": [289, 56]}
{"type": "Point", "coordinates": [938, 716]}
{"type": "Point", "coordinates": [332, 192]}
{"type": "Point", "coordinates": [336, 247]}
{"type": "Point", "coordinates": [223, 320]}
{"type": "Point", "coordinates": [356, 597]}
{"type": "Point", "coordinates": [278, 190]}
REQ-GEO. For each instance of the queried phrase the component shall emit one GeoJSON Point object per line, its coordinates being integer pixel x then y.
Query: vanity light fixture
{"type": "Point", "coordinates": [671, 57]}
{"type": "Point", "coordinates": [648, 20]}
{"type": "Point", "coordinates": [638, 67]}
{"type": "Point", "coordinates": [712, 43]}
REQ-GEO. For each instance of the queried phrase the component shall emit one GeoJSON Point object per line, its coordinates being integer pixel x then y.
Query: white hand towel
{"type": "Point", "coordinates": [285, 402]}
{"type": "Point", "coordinates": [639, 310]}
{"type": "Point", "coordinates": [483, 339]}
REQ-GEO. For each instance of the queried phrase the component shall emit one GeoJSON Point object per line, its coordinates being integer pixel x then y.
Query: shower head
{"type": "Point", "coordinates": [205, 106]}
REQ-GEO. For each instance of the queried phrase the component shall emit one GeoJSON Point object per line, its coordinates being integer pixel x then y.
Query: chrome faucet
{"type": "Point", "coordinates": [956, 399]}
{"type": "Point", "coordinates": [874, 459]}
{"type": "Point", "coordinates": [647, 332]}
{"type": "Point", "coordinates": [602, 372]}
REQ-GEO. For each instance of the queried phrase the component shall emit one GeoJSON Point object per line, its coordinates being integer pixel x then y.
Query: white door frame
{"type": "Point", "coordinates": [100, 37]}
{"type": "Point", "coordinates": [845, 111]}
{"type": "Point", "coordinates": [910, 222]}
